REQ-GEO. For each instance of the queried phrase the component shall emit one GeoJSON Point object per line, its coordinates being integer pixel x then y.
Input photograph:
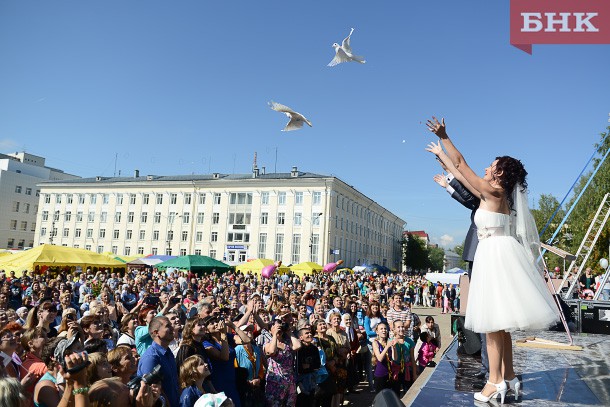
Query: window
{"type": "Point", "coordinates": [187, 199]}
{"type": "Point", "coordinates": [14, 224]}
{"type": "Point", "coordinates": [154, 251]}
{"type": "Point", "coordinates": [141, 250]}
{"type": "Point", "coordinates": [215, 218]}
{"type": "Point", "coordinates": [104, 217]}
{"type": "Point", "coordinates": [93, 199]}
{"type": "Point", "coordinates": [238, 237]}
{"type": "Point", "coordinates": [241, 198]}
{"type": "Point", "coordinates": [279, 245]}
{"type": "Point", "coordinates": [145, 199]}
{"type": "Point", "coordinates": [171, 217]}
{"type": "Point", "coordinates": [216, 199]}
{"type": "Point", "coordinates": [43, 231]}
{"type": "Point", "coordinates": [45, 215]}
{"type": "Point", "coordinates": [297, 218]}
{"type": "Point", "coordinates": [54, 232]}
{"type": "Point", "coordinates": [105, 198]}
{"type": "Point", "coordinates": [264, 218]}
{"type": "Point", "coordinates": [33, 229]}
{"type": "Point", "coordinates": [102, 233]}
{"type": "Point", "coordinates": [27, 208]}
{"type": "Point", "coordinates": [68, 216]}
{"type": "Point", "coordinates": [119, 199]}
{"type": "Point", "coordinates": [126, 251]}
{"type": "Point", "coordinates": [15, 206]}
{"type": "Point", "coordinates": [200, 218]}
{"type": "Point", "coordinates": [197, 252]}
{"type": "Point", "coordinates": [262, 245]}
{"type": "Point", "coordinates": [24, 225]}
{"type": "Point", "coordinates": [213, 253]}
{"type": "Point", "coordinates": [296, 248]}
{"type": "Point", "coordinates": [58, 198]}
{"type": "Point", "coordinates": [56, 216]}
{"type": "Point", "coordinates": [201, 199]}
{"type": "Point", "coordinates": [173, 198]}
{"type": "Point", "coordinates": [17, 189]}
{"type": "Point", "coordinates": [159, 198]}
{"type": "Point", "coordinates": [88, 247]}
{"type": "Point", "coordinates": [186, 217]}
{"type": "Point", "coordinates": [79, 216]}
{"type": "Point", "coordinates": [199, 237]}
{"type": "Point", "coordinates": [315, 219]}
{"type": "Point", "coordinates": [298, 198]}
{"type": "Point", "coordinates": [182, 252]}
{"type": "Point", "coordinates": [239, 218]}
{"type": "Point", "coordinates": [315, 247]}
{"type": "Point", "coordinates": [155, 235]}
{"type": "Point", "coordinates": [144, 217]}
{"type": "Point", "coordinates": [90, 216]}
{"type": "Point", "coordinates": [214, 237]}
{"type": "Point", "coordinates": [69, 199]}
{"type": "Point", "coordinates": [115, 234]}
{"type": "Point", "coordinates": [264, 198]}
{"type": "Point", "coordinates": [128, 234]}
{"type": "Point", "coordinates": [130, 216]}
{"type": "Point", "coordinates": [132, 199]}
{"type": "Point", "coordinates": [81, 198]}
{"type": "Point", "coordinates": [168, 251]}
{"type": "Point", "coordinates": [281, 218]}
{"type": "Point", "coordinates": [157, 217]}
{"type": "Point", "coordinates": [170, 235]}
{"type": "Point", "coordinates": [117, 217]}
{"type": "Point", "coordinates": [28, 191]}
{"type": "Point", "coordinates": [142, 235]}
{"type": "Point", "coordinates": [281, 198]}
{"type": "Point", "coordinates": [47, 198]}
{"type": "Point", "coordinates": [90, 233]}
{"type": "Point", "coordinates": [185, 236]}
{"type": "Point", "coordinates": [100, 249]}
{"type": "Point", "coordinates": [11, 243]}
{"type": "Point", "coordinates": [77, 233]}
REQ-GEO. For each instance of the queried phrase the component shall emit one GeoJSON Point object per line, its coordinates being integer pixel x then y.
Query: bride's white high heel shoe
{"type": "Point", "coordinates": [501, 389]}
{"type": "Point", "coordinates": [515, 385]}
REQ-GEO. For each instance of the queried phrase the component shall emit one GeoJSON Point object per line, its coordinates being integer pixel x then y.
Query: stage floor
{"type": "Point", "coordinates": [550, 377]}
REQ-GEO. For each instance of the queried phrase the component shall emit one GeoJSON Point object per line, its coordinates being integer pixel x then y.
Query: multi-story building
{"type": "Point", "coordinates": [19, 195]}
{"type": "Point", "coordinates": [293, 217]}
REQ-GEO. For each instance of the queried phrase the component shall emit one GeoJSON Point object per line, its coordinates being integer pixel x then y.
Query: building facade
{"type": "Point", "coordinates": [293, 217]}
{"type": "Point", "coordinates": [19, 195]}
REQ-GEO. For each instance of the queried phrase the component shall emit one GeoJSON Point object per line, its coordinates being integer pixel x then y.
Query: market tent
{"type": "Point", "coordinates": [56, 256]}
{"type": "Point", "coordinates": [359, 269]}
{"type": "Point", "coordinates": [307, 267]}
{"type": "Point", "coordinates": [122, 259]}
{"type": "Point", "coordinates": [345, 270]}
{"type": "Point", "coordinates": [150, 260]}
{"type": "Point", "coordinates": [256, 265]}
{"type": "Point", "coordinates": [444, 278]}
{"type": "Point", "coordinates": [456, 270]}
{"type": "Point", "coordinates": [195, 263]}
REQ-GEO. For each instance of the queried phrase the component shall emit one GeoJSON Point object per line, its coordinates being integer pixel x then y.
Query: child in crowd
{"type": "Point", "coordinates": [426, 352]}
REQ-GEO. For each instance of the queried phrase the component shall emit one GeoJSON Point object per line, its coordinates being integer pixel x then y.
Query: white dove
{"type": "Point", "coordinates": [343, 52]}
{"type": "Point", "coordinates": [296, 119]}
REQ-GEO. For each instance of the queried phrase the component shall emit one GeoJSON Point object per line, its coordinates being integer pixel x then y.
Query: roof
{"type": "Point", "coordinates": [188, 178]}
{"type": "Point", "coordinates": [419, 233]}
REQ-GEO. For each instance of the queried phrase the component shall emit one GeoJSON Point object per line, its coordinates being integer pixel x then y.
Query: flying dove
{"type": "Point", "coordinates": [296, 119]}
{"type": "Point", "coordinates": [343, 52]}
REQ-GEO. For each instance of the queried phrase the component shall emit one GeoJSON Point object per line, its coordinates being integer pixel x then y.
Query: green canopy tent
{"type": "Point", "coordinates": [195, 263]}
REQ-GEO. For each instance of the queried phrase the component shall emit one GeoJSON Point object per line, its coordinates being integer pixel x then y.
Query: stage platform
{"type": "Point", "coordinates": [550, 377]}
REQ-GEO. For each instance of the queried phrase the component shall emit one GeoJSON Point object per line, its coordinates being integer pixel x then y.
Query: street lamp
{"type": "Point", "coordinates": [56, 215]}
{"type": "Point", "coordinates": [315, 217]}
{"type": "Point", "coordinates": [170, 231]}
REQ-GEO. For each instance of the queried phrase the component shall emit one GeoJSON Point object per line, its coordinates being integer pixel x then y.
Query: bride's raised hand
{"type": "Point", "coordinates": [437, 127]}
{"type": "Point", "coordinates": [435, 148]}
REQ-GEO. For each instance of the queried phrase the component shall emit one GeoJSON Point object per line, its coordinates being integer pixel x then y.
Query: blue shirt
{"type": "Point", "coordinates": [158, 355]}
{"type": "Point", "coordinates": [189, 396]}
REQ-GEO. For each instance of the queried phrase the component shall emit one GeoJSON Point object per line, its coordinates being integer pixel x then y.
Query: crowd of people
{"type": "Point", "coordinates": [152, 338]}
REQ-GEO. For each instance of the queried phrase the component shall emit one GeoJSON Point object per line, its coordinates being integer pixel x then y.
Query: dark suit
{"type": "Point", "coordinates": [470, 201]}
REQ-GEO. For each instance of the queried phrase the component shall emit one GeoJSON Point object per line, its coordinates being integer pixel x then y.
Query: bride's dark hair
{"type": "Point", "coordinates": [513, 173]}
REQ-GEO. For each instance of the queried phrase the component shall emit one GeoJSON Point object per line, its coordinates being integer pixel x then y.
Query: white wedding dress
{"type": "Point", "coordinates": [506, 290]}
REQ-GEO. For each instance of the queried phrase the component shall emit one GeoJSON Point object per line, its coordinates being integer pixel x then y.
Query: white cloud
{"type": "Point", "coordinates": [446, 240]}
{"type": "Point", "coordinates": [7, 144]}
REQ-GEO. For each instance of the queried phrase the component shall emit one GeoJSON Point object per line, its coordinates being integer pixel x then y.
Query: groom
{"type": "Point", "coordinates": [470, 201]}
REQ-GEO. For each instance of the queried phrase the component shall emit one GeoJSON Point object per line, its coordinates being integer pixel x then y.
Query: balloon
{"type": "Point", "coordinates": [330, 267]}
{"type": "Point", "coordinates": [603, 263]}
{"type": "Point", "coordinates": [557, 269]}
{"type": "Point", "coordinates": [268, 271]}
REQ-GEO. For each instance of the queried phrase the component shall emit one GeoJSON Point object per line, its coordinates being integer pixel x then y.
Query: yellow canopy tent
{"type": "Point", "coordinates": [56, 256]}
{"type": "Point", "coordinates": [255, 266]}
{"type": "Point", "coordinates": [121, 258]}
{"type": "Point", "coordinates": [306, 268]}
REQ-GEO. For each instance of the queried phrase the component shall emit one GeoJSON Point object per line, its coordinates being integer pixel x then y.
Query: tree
{"type": "Point", "coordinates": [459, 249]}
{"type": "Point", "coordinates": [585, 210]}
{"type": "Point", "coordinates": [415, 254]}
{"type": "Point", "coordinates": [547, 204]}
{"type": "Point", "coordinates": [437, 257]}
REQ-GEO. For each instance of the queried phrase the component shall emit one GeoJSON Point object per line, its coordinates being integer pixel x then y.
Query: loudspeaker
{"type": "Point", "coordinates": [387, 398]}
{"type": "Point", "coordinates": [595, 317]}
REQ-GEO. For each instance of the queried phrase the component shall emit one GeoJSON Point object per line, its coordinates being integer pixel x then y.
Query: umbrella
{"type": "Point", "coordinates": [195, 263]}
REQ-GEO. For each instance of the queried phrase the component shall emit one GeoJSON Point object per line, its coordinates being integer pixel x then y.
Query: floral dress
{"type": "Point", "coordinates": [280, 389]}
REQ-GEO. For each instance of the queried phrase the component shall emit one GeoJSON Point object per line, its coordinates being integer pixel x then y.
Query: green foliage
{"type": "Point", "coordinates": [459, 249]}
{"type": "Point", "coordinates": [437, 257]}
{"type": "Point", "coordinates": [547, 204]}
{"type": "Point", "coordinates": [415, 253]}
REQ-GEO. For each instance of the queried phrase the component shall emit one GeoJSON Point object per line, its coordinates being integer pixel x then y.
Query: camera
{"type": "Point", "coordinates": [151, 300]}
{"type": "Point", "coordinates": [285, 327]}
{"type": "Point", "coordinates": [155, 376]}
{"type": "Point", "coordinates": [175, 300]}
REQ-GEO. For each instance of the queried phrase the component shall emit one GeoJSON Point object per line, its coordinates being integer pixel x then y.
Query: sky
{"type": "Point", "coordinates": [181, 87]}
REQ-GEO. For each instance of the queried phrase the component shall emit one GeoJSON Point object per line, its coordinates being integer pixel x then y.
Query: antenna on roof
{"type": "Point", "coordinates": [116, 157]}
{"type": "Point", "coordinates": [254, 162]}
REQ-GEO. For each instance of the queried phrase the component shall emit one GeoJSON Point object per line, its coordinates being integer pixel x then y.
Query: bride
{"type": "Point", "coordinates": [507, 291]}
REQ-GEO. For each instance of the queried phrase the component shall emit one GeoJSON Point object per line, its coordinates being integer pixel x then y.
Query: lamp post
{"type": "Point", "coordinates": [170, 231]}
{"type": "Point", "coordinates": [56, 215]}
{"type": "Point", "coordinates": [315, 216]}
